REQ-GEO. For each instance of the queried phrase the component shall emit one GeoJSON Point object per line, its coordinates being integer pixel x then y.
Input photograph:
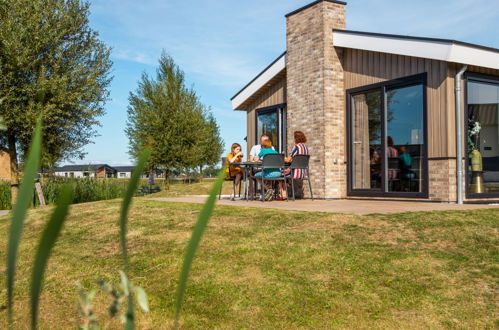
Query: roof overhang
{"type": "Point", "coordinates": [259, 82]}
{"type": "Point", "coordinates": [437, 49]}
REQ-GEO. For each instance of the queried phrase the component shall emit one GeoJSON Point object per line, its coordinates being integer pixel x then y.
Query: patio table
{"type": "Point", "coordinates": [246, 169]}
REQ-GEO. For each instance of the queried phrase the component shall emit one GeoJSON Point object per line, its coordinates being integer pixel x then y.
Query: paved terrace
{"type": "Point", "coordinates": [354, 206]}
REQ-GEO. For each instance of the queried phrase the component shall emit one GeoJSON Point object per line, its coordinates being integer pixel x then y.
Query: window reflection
{"type": "Point", "coordinates": [268, 124]}
{"type": "Point", "coordinates": [366, 134]}
{"type": "Point", "coordinates": [483, 137]}
{"type": "Point", "coordinates": [405, 139]}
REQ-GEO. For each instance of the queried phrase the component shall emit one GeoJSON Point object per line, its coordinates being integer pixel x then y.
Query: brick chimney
{"type": "Point", "coordinates": [315, 92]}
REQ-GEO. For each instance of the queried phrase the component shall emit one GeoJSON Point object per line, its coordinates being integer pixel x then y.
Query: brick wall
{"type": "Point", "coordinates": [316, 95]}
{"type": "Point", "coordinates": [442, 180]}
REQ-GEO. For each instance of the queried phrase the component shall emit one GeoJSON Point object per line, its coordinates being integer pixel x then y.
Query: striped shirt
{"type": "Point", "coordinates": [299, 149]}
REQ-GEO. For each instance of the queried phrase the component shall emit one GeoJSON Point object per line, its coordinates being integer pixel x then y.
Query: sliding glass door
{"type": "Point", "coordinates": [271, 121]}
{"type": "Point", "coordinates": [386, 140]}
{"type": "Point", "coordinates": [405, 138]}
{"type": "Point", "coordinates": [366, 140]}
{"type": "Point", "coordinates": [482, 113]}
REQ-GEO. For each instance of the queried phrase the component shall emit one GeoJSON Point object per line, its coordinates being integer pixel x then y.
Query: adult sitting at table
{"type": "Point", "coordinates": [234, 172]}
{"type": "Point", "coordinates": [255, 150]}
{"type": "Point", "coordinates": [300, 148]}
{"type": "Point", "coordinates": [268, 172]}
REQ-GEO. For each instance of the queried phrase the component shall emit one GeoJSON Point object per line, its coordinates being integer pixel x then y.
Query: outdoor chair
{"type": "Point", "coordinates": [393, 173]}
{"type": "Point", "coordinates": [154, 189]}
{"type": "Point", "coordinates": [300, 162]}
{"type": "Point", "coordinates": [270, 161]}
{"type": "Point", "coordinates": [232, 178]}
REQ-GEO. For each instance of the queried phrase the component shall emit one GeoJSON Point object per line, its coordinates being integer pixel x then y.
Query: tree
{"type": "Point", "coordinates": [168, 117]}
{"type": "Point", "coordinates": [210, 144]}
{"type": "Point", "coordinates": [51, 63]}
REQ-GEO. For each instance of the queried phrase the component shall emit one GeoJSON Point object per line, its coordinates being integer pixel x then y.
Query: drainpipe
{"type": "Point", "coordinates": [459, 136]}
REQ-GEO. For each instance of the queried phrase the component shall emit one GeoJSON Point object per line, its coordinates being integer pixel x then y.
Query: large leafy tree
{"type": "Point", "coordinates": [210, 144]}
{"type": "Point", "coordinates": [51, 64]}
{"type": "Point", "coordinates": [167, 116]}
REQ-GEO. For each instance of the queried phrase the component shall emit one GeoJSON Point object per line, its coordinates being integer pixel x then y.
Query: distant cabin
{"type": "Point", "coordinates": [86, 171]}
{"type": "Point", "coordinates": [123, 172]}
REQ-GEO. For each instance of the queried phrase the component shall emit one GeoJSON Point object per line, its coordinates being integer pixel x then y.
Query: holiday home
{"type": "Point", "coordinates": [386, 116]}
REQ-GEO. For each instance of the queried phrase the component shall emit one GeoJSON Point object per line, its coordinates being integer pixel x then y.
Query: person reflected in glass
{"type": "Point", "coordinates": [406, 164]}
{"type": "Point", "coordinates": [391, 152]}
{"type": "Point", "coordinates": [375, 160]}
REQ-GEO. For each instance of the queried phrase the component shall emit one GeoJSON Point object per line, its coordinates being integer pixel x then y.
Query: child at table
{"type": "Point", "coordinates": [235, 156]}
{"type": "Point", "coordinates": [270, 172]}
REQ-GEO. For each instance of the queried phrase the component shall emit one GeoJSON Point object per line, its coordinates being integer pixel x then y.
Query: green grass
{"type": "Point", "coordinates": [261, 268]}
{"type": "Point", "coordinates": [84, 189]}
{"type": "Point", "coordinates": [176, 189]}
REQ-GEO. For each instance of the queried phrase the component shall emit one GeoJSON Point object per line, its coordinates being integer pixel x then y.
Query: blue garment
{"type": "Point", "coordinates": [269, 175]}
{"type": "Point", "coordinates": [266, 151]}
{"type": "Point", "coordinates": [406, 160]}
{"type": "Point", "coordinates": [405, 166]}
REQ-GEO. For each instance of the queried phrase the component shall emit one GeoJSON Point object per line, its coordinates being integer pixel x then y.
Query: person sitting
{"type": "Point", "coordinates": [268, 172]}
{"type": "Point", "coordinates": [300, 148]}
{"type": "Point", "coordinates": [233, 172]}
{"type": "Point", "coordinates": [391, 152]}
{"type": "Point", "coordinates": [255, 150]}
{"type": "Point", "coordinates": [405, 160]}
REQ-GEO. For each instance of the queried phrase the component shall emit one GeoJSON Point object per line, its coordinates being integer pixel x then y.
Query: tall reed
{"type": "Point", "coordinates": [54, 226]}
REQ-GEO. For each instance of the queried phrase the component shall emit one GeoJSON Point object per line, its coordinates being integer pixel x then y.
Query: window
{"type": "Point", "coordinates": [387, 145]}
{"type": "Point", "coordinates": [482, 136]}
{"type": "Point", "coordinates": [122, 175]}
{"type": "Point", "coordinates": [86, 174]}
{"type": "Point", "coordinates": [271, 121]}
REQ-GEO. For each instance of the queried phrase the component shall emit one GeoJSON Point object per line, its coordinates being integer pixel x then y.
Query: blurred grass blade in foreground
{"type": "Point", "coordinates": [49, 237]}
{"type": "Point", "coordinates": [197, 234]}
{"type": "Point", "coordinates": [127, 290]}
{"type": "Point", "coordinates": [127, 200]}
{"type": "Point", "coordinates": [24, 198]}
{"type": "Point", "coordinates": [125, 206]}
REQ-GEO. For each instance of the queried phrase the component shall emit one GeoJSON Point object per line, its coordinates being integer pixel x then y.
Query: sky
{"type": "Point", "coordinates": [222, 44]}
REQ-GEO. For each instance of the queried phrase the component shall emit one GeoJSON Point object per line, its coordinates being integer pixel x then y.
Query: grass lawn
{"type": "Point", "coordinates": [178, 189]}
{"type": "Point", "coordinates": [262, 268]}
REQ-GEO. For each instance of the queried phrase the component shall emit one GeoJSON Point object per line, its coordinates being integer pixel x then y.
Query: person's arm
{"type": "Point", "coordinates": [293, 153]}
{"type": "Point", "coordinates": [235, 157]}
{"type": "Point", "coordinates": [253, 157]}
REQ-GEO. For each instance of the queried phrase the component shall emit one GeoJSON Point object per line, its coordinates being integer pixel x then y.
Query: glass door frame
{"type": "Point", "coordinates": [382, 87]}
{"type": "Point", "coordinates": [484, 78]}
{"type": "Point", "coordinates": [282, 128]}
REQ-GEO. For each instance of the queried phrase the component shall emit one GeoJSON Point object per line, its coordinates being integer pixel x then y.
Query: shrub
{"type": "Point", "coordinates": [4, 195]}
{"type": "Point", "coordinates": [84, 190]}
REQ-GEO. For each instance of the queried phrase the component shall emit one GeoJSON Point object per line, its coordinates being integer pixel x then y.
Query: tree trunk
{"type": "Point", "coordinates": [14, 168]}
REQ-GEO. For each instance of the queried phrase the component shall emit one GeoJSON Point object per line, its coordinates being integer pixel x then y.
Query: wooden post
{"type": "Point", "coordinates": [39, 191]}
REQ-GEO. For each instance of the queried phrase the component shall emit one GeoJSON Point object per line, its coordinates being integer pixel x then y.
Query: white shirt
{"type": "Point", "coordinates": [255, 150]}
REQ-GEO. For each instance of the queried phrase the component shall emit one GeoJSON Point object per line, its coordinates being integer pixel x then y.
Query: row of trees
{"type": "Point", "coordinates": [168, 117]}
{"type": "Point", "coordinates": [53, 64]}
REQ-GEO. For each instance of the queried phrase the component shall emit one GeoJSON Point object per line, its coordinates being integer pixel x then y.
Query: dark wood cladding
{"type": "Point", "coordinates": [364, 68]}
{"type": "Point", "coordinates": [273, 94]}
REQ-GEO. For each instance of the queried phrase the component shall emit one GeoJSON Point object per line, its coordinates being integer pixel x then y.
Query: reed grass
{"type": "Point", "coordinates": [83, 190]}
{"type": "Point", "coordinates": [76, 191]}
